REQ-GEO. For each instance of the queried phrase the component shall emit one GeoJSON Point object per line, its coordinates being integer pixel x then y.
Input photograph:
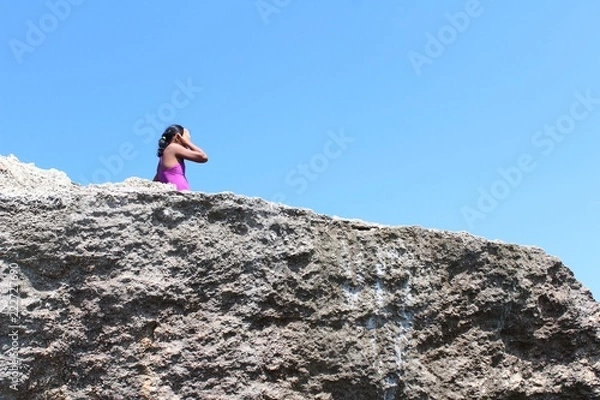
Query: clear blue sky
{"type": "Point", "coordinates": [479, 116]}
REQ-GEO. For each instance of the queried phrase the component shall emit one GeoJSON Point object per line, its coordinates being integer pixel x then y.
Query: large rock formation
{"type": "Point", "coordinates": [136, 291]}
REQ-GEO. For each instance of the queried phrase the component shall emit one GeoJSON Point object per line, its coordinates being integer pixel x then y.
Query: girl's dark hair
{"type": "Point", "coordinates": [167, 137]}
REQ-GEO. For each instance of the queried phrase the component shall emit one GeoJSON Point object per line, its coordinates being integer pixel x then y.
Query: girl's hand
{"type": "Point", "coordinates": [184, 141]}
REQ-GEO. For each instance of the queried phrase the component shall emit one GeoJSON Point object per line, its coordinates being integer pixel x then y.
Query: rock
{"type": "Point", "coordinates": [137, 291]}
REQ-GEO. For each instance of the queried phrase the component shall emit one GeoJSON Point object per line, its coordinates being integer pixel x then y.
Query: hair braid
{"type": "Point", "coordinates": [167, 138]}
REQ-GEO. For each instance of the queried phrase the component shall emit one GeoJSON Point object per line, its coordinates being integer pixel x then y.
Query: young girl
{"type": "Point", "coordinates": [174, 146]}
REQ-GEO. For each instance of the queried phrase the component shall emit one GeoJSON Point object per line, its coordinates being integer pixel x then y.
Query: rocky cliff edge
{"type": "Point", "coordinates": [137, 291]}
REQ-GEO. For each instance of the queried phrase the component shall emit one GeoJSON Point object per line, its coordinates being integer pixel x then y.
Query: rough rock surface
{"type": "Point", "coordinates": [136, 291]}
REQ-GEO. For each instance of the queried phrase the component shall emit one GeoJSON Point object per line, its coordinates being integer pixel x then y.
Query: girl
{"type": "Point", "coordinates": [174, 146]}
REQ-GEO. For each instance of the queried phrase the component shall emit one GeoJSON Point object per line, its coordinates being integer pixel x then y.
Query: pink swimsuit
{"type": "Point", "coordinates": [174, 175]}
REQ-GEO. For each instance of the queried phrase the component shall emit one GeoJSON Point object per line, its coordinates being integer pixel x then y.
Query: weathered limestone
{"type": "Point", "coordinates": [136, 291]}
